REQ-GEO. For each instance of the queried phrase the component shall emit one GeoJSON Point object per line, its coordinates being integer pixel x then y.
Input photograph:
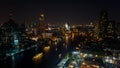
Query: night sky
{"type": "Point", "coordinates": [59, 11]}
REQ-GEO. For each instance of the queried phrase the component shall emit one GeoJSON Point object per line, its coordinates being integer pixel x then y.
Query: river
{"type": "Point", "coordinates": [36, 58]}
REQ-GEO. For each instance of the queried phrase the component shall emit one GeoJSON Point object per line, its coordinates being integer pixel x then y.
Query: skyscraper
{"type": "Point", "coordinates": [106, 27]}
{"type": "Point", "coordinates": [41, 25]}
{"type": "Point", "coordinates": [10, 33]}
{"type": "Point", "coordinates": [103, 24]}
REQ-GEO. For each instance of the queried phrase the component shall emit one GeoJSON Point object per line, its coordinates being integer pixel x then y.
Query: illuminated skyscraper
{"type": "Point", "coordinates": [111, 29]}
{"type": "Point", "coordinates": [103, 24]}
{"type": "Point", "coordinates": [96, 30]}
{"type": "Point", "coordinates": [42, 17]}
{"type": "Point", "coordinates": [10, 33]}
{"type": "Point", "coordinates": [106, 27]}
{"type": "Point", "coordinates": [41, 24]}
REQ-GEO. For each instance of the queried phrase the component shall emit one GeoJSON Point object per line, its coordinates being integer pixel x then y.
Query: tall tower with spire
{"type": "Point", "coordinates": [42, 23]}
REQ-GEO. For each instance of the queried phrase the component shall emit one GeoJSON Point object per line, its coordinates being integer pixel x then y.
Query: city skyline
{"type": "Point", "coordinates": [77, 12]}
{"type": "Point", "coordinates": [59, 34]}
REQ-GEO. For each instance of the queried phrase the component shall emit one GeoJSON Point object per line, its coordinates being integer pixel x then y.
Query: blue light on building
{"type": "Point", "coordinates": [16, 42]}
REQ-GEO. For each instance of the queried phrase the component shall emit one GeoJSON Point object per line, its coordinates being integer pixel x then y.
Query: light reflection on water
{"type": "Point", "coordinates": [52, 54]}
{"type": "Point", "coordinates": [48, 55]}
{"type": "Point", "coordinates": [13, 61]}
{"type": "Point", "coordinates": [46, 49]}
{"type": "Point", "coordinates": [37, 58]}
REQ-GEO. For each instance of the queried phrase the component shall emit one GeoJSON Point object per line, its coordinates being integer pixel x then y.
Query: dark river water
{"type": "Point", "coordinates": [48, 57]}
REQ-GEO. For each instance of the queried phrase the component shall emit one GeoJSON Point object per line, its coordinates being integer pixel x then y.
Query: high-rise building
{"type": "Point", "coordinates": [111, 30]}
{"type": "Point", "coordinates": [118, 28]}
{"type": "Point", "coordinates": [96, 30]}
{"type": "Point", "coordinates": [42, 17]}
{"type": "Point", "coordinates": [107, 27]}
{"type": "Point", "coordinates": [10, 34]}
{"type": "Point", "coordinates": [103, 24]}
{"type": "Point", "coordinates": [41, 24]}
